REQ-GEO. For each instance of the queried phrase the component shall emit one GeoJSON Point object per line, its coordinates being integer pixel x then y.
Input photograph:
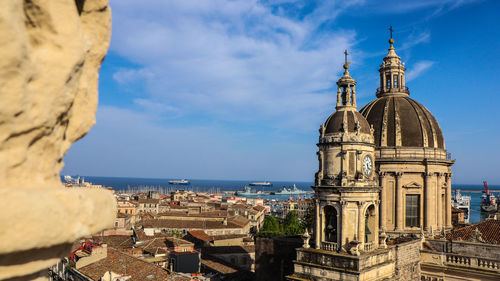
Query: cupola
{"type": "Point", "coordinates": [392, 74]}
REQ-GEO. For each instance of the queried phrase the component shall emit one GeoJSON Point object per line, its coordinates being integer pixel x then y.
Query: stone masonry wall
{"type": "Point", "coordinates": [407, 256]}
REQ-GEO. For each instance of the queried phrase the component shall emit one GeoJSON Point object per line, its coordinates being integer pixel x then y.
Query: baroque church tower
{"type": "Point", "coordinates": [347, 195]}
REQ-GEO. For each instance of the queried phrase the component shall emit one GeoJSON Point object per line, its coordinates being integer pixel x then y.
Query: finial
{"type": "Point", "coordinates": [346, 64]}
{"type": "Point", "coordinates": [391, 41]}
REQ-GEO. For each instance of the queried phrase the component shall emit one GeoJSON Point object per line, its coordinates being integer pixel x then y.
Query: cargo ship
{"type": "Point", "coordinates": [179, 182]}
{"type": "Point", "coordinates": [489, 202]}
{"type": "Point", "coordinates": [264, 183]}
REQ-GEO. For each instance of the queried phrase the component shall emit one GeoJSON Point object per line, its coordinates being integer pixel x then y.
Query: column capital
{"type": "Point", "coordinates": [343, 202]}
{"type": "Point", "coordinates": [398, 174]}
{"type": "Point", "coordinates": [439, 174]}
{"type": "Point", "coordinates": [428, 174]}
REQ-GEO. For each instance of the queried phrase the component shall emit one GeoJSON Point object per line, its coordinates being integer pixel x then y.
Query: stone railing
{"type": "Point", "coordinates": [329, 246]}
{"type": "Point", "coordinates": [413, 153]}
{"type": "Point", "coordinates": [368, 247]}
{"type": "Point", "coordinates": [473, 262]}
{"type": "Point", "coordinates": [381, 91]}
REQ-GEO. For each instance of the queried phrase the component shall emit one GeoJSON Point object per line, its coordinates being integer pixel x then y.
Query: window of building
{"type": "Point", "coordinates": [388, 81]}
{"type": "Point", "coordinates": [412, 210]}
{"type": "Point", "coordinates": [395, 80]}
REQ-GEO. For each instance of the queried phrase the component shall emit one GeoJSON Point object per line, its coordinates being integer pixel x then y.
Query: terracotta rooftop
{"type": "Point", "coordinates": [228, 250]}
{"type": "Point", "coordinates": [228, 236]}
{"type": "Point", "coordinates": [487, 231]}
{"type": "Point", "coordinates": [189, 224]}
{"type": "Point", "coordinates": [218, 265]}
{"type": "Point", "coordinates": [115, 241]}
{"type": "Point", "coordinates": [124, 264]}
{"type": "Point", "coordinates": [201, 235]}
{"type": "Point", "coordinates": [149, 201]}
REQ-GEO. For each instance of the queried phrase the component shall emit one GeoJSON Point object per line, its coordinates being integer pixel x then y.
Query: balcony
{"type": "Point", "coordinates": [329, 246]}
{"type": "Point", "coordinates": [473, 262]}
{"type": "Point", "coordinates": [381, 91]}
{"type": "Point", "coordinates": [368, 247]}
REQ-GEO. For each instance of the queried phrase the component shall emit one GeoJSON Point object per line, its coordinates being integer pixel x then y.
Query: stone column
{"type": "Point", "coordinates": [317, 228]}
{"type": "Point", "coordinates": [399, 201]}
{"type": "Point", "coordinates": [448, 200]}
{"type": "Point", "coordinates": [382, 218]}
{"type": "Point", "coordinates": [384, 82]}
{"type": "Point", "coordinates": [439, 212]}
{"type": "Point", "coordinates": [377, 227]}
{"type": "Point", "coordinates": [428, 201]}
{"type": "Point", "coordinates": [360, 230]}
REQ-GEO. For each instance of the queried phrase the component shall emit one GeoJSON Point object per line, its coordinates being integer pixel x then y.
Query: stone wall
{"type": "Point", "coordinates": [407, 257]}
{"type": "Point", "coordinates": [274, 256]}
{"type": "Point", "coordinates": [51, 54]}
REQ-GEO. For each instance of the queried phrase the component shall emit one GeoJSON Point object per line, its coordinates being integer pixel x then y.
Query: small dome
{"type": "Point", "coordinates": [398, 120]}
{"type": "Point", "coordinates": [334, 123]}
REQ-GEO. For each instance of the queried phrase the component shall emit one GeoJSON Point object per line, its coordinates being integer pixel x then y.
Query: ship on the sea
{"type": "Point", "coordinates": [289, 191]}
{"type": "Point", "coordinates": [489, 202]}
{"type": "Point", "coordinates": [247, 191]}
{"type": "Point", "coordinates": [179, 182]}
{"type": "Point", "coordinates": [264, 183]}
{"type": "Point", "coordinates": [462, 202]}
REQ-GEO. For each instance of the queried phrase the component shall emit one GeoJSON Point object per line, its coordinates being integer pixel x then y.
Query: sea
{"type": "Point", "coordinates": [125, 184]}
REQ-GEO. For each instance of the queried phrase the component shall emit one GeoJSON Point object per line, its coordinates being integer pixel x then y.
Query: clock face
{"type": "Point", "coordinates": [367, 165]}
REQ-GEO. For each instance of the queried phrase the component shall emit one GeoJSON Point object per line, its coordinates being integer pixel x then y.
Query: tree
{"type": "Point", "coordinates": [270, 228]}
{"type": "Point", "coordinates": [292, 225]}
{"type": "Point", "coordinates": [308, 220]}
{"type": "Point", "coordinates": [271, 224]}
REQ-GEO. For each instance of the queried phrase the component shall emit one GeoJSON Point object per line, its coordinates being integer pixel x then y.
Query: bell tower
{"type": "Point", "coordinates": [346, 194]}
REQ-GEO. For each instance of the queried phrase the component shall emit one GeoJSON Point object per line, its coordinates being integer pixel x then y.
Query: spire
{"type": "Point", "coordinates": [346, 88]}
{"type": "Point", "coordinates": [392, 73]}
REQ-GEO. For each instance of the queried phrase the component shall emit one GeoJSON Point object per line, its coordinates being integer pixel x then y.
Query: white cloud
{"type": "Point", "coordinates": [419, 68]}
{"type": "Point", "coordinates": [235, 60]}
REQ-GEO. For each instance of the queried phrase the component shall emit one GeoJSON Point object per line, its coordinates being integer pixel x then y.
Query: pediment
{"type": "Point", "coordinates": [412, 185]}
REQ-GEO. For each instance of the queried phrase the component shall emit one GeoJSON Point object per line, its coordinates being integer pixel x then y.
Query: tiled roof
{"type": "Point", "coordinates": [188, 224]}
{"type": "Point", "coordinates": [259, 208]}
{"type": "Point", "coordinates": [185, 214]}
{"type": "Point", "coordinates": [487, 231]}
{"type": "Point", "coordinates": [115, 241]}
{"type": "Point", "coordinates": [228, 250]}
{"type": "Point", "coordinates": [228, 236]}
{"type": "Point", "coordinates": [174, 241]}
{"type": "Point", "coordinates": [141, 236]}
{"type": "Point", "coordinates": [124, 264]}
{"type": "Point", "coordinates": [218, 265]}
{"type": "Point", "coordinates": [201, 235]}
{"type": "Point", "coordinates": [149, 201]}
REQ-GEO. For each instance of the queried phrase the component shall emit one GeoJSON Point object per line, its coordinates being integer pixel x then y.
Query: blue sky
{"type": "Point", "coordinates": [237, 89]}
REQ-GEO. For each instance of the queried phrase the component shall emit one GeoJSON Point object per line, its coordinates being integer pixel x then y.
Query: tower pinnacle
{"type": "Point", "coordinates": [346, 88]}
{"type": "Point", "coordinates": [392, 73]}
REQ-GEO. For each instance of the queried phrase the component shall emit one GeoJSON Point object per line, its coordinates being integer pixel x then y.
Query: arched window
{"type": "Point", "coordinates": [370, 221]}
{"type": "Point", "coordinates": [388, 81]}
{"type": "Point", "coordinates": [330, 224]}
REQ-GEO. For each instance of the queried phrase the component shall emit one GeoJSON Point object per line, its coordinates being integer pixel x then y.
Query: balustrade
{"type": "Point", "coordinates": [329, 246]}
{"type": "Point", "coordinates": [368, 247]}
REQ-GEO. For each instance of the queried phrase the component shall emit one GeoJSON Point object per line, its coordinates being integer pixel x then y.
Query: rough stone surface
{"type": "Point", "coordinates": [51, 53]}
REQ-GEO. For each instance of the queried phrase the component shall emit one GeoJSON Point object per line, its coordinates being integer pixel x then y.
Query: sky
{"type": "Point", "coordinates": [237, 89]}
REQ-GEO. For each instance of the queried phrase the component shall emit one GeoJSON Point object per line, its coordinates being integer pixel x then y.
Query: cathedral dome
{"type": "Point", "coordinates": [348, 121]}
{"type": "Point", "coordinates": [398, 120]}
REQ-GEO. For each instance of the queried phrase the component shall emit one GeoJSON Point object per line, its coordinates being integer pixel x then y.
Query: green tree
{"type": "Point", "coordinates": [292, 225]}
{"type": "Point", "coordinates": [270, 228]}
{"type": "Point", "coordinates": [271, 224]}
{"type": "Point", "coordinates": [308, 220]}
